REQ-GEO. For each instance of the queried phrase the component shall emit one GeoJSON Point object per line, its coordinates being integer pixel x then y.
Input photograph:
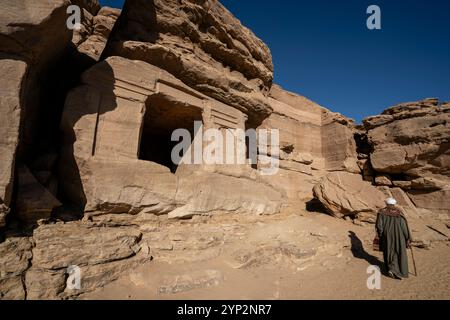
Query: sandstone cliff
{"type": "Point", "coordinates": [410, 145]}
{"type": "Point", "coordinates": [201, 43]}
{"type": "Point", "coordinates": [86, 119]}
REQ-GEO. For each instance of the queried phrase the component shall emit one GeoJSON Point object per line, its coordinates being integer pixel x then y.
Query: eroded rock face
{"type": "Point", "coordinates": [313, 141]}
{"type": "Point", "coordinates": [28, 50]}
{"type": "Point", "coordinates": [113, 115]}
{"type": "Point", "coordinates": [34, 201]}
{"type": "Point", "coordinates": [102, 254]}
{"type": "Point", "coordinates": [171, 63]}
{"type": "Point", "coordinates": [414, 142]}
{"type": "Point", "coordinates": [338, 142]}
{"type": "Point", "coordinates": [347, 194]}
{"type": "Point", "coordinates": [202, 44]}
{"type": "Point", "coordinates": [13, 73]}
{"type": "Point", "coordinates": [15, 257]}
{"type": "Point", "coordinates": [411, 143]}
{"type": "Point", "coordinates": [96, 27]}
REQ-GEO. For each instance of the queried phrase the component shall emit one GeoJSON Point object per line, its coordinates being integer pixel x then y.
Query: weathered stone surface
{"type": "Point", "coordinates": [415, 143]}
{"type": "Point", "coordinates": [383, 180]}
{"type": "Point", "coordinates": [299, 121]}
{"type": "Point", "coordinates": [190, 281]}
{"type": "Point", "coordinates": [15, 256]}
{"type": "Point", "coordinates": [205, 66]}
{"type": "Point", "coordinates": [4, 210]}
{"type": "Point", "coordinates": [91, 39]}
{"type": "Point", "coordinates": [27, 47]}
{"type": "Point", "coordinates": [99, 275]}
{"type": "Point", "coordinates": [101, 164]}
{"type": "Point", "coordinates": [270, 254]}
{"type": "Point", "coordinates": [344, 194]}
{"type": "Point", "coordinates": [338, 143]}
{"type": "Point", "coordinates": [12, 73]}
{"type": "Point", "coordinates": [12, 289]}
{"type": "Point", "coordinates": [427, 183]}
{"type": "Point", "coordinates": [101, 253]}
{"type": "Point", "coordinates": [56, 247]}
{"type": "Point", "coordinates": [202, 44]}
{"type": "Point", "coordinates": [44, 284]}
{"type": "Point", "coordinates": [377, 121]}
{"type": "Point", "coordinates": [435, 201]}
{"type": "Point", "coordinates": [214, 193]}
{"type": "Point", "coordinates": [34, 201]}
{"type": "Point", "coordinates": [313, 140]}
{"type": "Point", "coordinates": [366, 169]}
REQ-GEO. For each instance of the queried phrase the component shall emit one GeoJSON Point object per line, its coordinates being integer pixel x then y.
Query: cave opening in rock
{"type": "Point", "coordinates": [162, 118]}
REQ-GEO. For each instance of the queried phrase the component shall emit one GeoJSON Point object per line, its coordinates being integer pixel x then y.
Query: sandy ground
{"type": "Point", "coordinates": [338, 269]}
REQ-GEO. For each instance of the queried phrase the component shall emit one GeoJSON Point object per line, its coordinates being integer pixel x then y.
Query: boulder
{"type": "Point", "coordinates": [208, 193]}
{"type": "Point", "coordinates": [101, 253]}
{"type": "Point", "coordinates": [202, 44]}
{"type": "Point", "coordinates": [405, 185]}
{"type": "Point", "coordinates": [383, 180]}
{"type": "Point", "coordinates": [190, 281]}
{"type": "Point", "coordinates": [12, 289]}
{"type": "Point", "coordinates": [428, 183]}
{"type": "Point", "coordinates": [414, 143]}
{"type": "Point", "coordinates": [437, 202]}
{"type": "Point", "coordinates": [35, 37]}
{"type": "Point", "coordinates": [347, 194]}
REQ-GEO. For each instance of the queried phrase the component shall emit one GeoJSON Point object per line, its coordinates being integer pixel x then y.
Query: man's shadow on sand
{"type": "Point", "coordinates": [358, 252]}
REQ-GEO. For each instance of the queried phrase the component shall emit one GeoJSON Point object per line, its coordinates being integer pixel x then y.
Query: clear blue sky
{"type": "Point", "coordinates": [323, 50]}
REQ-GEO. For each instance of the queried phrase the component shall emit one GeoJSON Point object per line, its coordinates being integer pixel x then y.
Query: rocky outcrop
{"type": "Point", "coordinates": [110, 118]}
{"type": "Point", "coordinates": [402, 153]}
{"type": "Point", "coordinates": [347, 194]}
{"type": "Point", "coordinates": [96, 188]}
{"type": "Point", "coordinates": [34, 201]}
{"type": "Point", "coordinates": [28, 50]}
{"type": "Point", "coordinates": [96, 27]}
{"type": "Point", "coordinates": [101, 254]}
{"type": "Point", "coordinates": [338, 143]}
{"type": "Point", "coordinates": [313, 141]}
{"type": "Point", "coordinates": [411, 147]}
{"type": "Point", "coordinates": [203, 45]}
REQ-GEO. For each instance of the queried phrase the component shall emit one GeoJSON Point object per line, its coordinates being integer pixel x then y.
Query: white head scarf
{"type": "Point", "coordinates": [391, 201]}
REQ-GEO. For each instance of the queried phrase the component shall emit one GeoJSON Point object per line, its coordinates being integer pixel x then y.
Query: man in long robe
{"type": "Point", "coordinates": [395, 238]}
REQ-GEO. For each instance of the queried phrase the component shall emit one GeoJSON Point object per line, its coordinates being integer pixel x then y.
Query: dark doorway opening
{"type": "Point", "coordinates": [162, 118]}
